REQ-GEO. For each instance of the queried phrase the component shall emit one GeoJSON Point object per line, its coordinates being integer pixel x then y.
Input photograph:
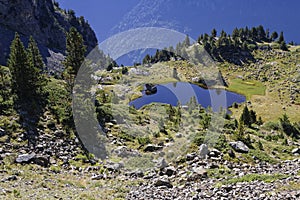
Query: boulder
{"type": "Point", "coordinates": [197, 174]}
{"type": "Point", "coordinates": [114, 166]}
{"type": "Point", "coordinates": [239, 146]}
{"type": "Point", "coordinates": [296, 151]}
{"type": "Point", "coordinates": [99, 177]}
{"type": "Point", "coordinates": [203, 150]}
{"type": "Point", "coordinates": [42, 161]}
{"type": "Point", "coordinates": [214, 153]}
{"type": "Point", "coordinates": [190, 157]}
{"type": "Point", "coordinates": [152, 148]}
{"type": "Point", "coordinates": [25, 158]}
{"type": "Point", "coordinates": [161, 163]}
{"type": "Point", "coordinates": [162, 182]}
{"type": "Point", "coordinates": [170, 171]}
{"type": "Point", "coordinates": [123, 151]}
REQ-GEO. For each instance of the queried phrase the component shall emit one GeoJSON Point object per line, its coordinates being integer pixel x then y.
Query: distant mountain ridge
{"type": "Point", "coordinates": [46, 22]}
{"type": "Point", "coordinates": [193, 16]}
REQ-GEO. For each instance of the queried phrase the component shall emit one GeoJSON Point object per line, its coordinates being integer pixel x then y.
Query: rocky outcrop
{"type": "Point", "coordinates": [46, 22]}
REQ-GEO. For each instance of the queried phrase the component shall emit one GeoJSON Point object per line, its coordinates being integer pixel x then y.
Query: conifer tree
{"type": "Point", "coordinates": [26, 70]}
{"type": "Point", "coordinates": [18, 65]}
{"type": "Point", "coordinates": [75, 51]}
{"type": "Point", "coordinates": [235, 34]}
{"type": "Point", "coordinates": [245, 117]}
{"type": "Point", "coordinates": [274, 36]}
{"type": "Point", "coordinates": [214, 33]}
{"type": "Point", "coordinates": [261, 34]}
{"type": "Point", "coordinates": [283, 46]}
{"type": "Point", "coordinates": [187, 41]}
{"type": "Point", "coordinates": [281, 38]}
{"type": "Point", "coordinates": [240, 130]}
{"type": "Point", "coordinates": [38, 79]}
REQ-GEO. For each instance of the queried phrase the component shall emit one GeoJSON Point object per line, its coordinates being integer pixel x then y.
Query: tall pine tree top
{"type": "Point", "coordinates": [75, 51]}
{"type": "Point", "coordinates": [17, 63]}
{"type": "Point", "coordinates": [36, 66]}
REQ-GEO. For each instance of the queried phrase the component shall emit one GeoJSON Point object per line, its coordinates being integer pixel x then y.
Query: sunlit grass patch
{"type": "Point", "coordinates": [247, 88]}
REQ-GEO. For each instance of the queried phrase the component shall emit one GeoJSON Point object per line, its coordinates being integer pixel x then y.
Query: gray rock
{"type": "Point", "coordinates": [152, 148]}
{"type": "Point", "coordinates": [214, 153]}
{"type": "Point", "coordinates": [123, 151]}
{"type": "Point", "coordinates": [25, 158]}
{"type": "Point", "coordinates": [197, 174]}
{"type": "Point", "coordinates": [190, 157]}
{"type": "Point", "coordinates": [42, 161]}
{"type": "Point", "coordinates": [296, 151]}
{"type": "Point", "coordinates": [170, 171]}
{"type": "Point", "coordinates": [239, 146]}
{"type": "Point", "coordinates": [162, 182]}
{"type": "Point", "coordinates": [161, 163]}
{"type": "Point", "coordinates": [99, 177]}
{"type": "Point", "coordinates": [114, 166]}
{"type": "Point", "coordinates": [178, 135]}
{"type": "Point", "coordinates": [137, 173]}
{"type": "Point", "coordinates": [203, 150]}
{"type": "Point", "coordinates": [10, 178]}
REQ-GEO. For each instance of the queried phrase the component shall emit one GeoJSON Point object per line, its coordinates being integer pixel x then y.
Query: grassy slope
{"type": "Point", "coordinates": [270, 99]}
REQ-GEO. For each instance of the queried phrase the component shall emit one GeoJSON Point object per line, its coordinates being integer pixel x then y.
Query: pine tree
{"type": "Point", "coordinates": [240, 131]}
{"type": "Point", "coordinates": [245, 117]}
{"type": "Point", "coordinates": [235, 34]}
{"type": "Point", "coordinates": [147, 59]}
{"type": "Point", "coordinates": [187, 41]}
{"type": "Point", "coordinates": [261, 33]}
{"type": "Point", "coordinates": [223, 34]}
{"type": "Point", "coordinates": [18, 65]}
{"type": "Point", "coordinates": [214, 33]}
{"type": "Point", "coordinates": [253, 116]}
{"type": "Point", "coordinates": [281, 38]}
{"type": "Point", "coordinates": [38, 79]}
{"type": "Point", "coordinates": [253, 33]}
{"type": "Point", "coordinates": [268, 34]}
{"type": "Point", "coordinates": [283, 46]}
{"type": "Point", "coordinates": [260, 121]}
{"type": "Point", "coordinates": [75, 51]}
{"type": "Point", "coordinates": [274, 36]}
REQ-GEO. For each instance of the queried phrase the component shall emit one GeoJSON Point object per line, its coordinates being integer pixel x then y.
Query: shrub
{"type": "Point", "coordinates": [260, 146]}
{"type": "Point", "coordinates": [144, 140]}
{"type": "Point", "coordinates": [272, 126]}
{"type": "Point", "coordinates": [252, 47]}
{"type": "Point", "coordinates": [198, 138]}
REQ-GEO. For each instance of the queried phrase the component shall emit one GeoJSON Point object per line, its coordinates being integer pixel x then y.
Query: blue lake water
{"type": "Point", "coordinates": [171, 93]}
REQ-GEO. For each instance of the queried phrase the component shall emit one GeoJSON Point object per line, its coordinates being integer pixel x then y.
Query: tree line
{"type": "Point", "coordinates": [24, 81]}
{"type": "Point", "coordinates": [241, 42]}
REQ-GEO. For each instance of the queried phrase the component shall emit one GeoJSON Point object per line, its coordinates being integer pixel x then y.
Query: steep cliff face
{"type": "Point", "coordinates": [45, 21]}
